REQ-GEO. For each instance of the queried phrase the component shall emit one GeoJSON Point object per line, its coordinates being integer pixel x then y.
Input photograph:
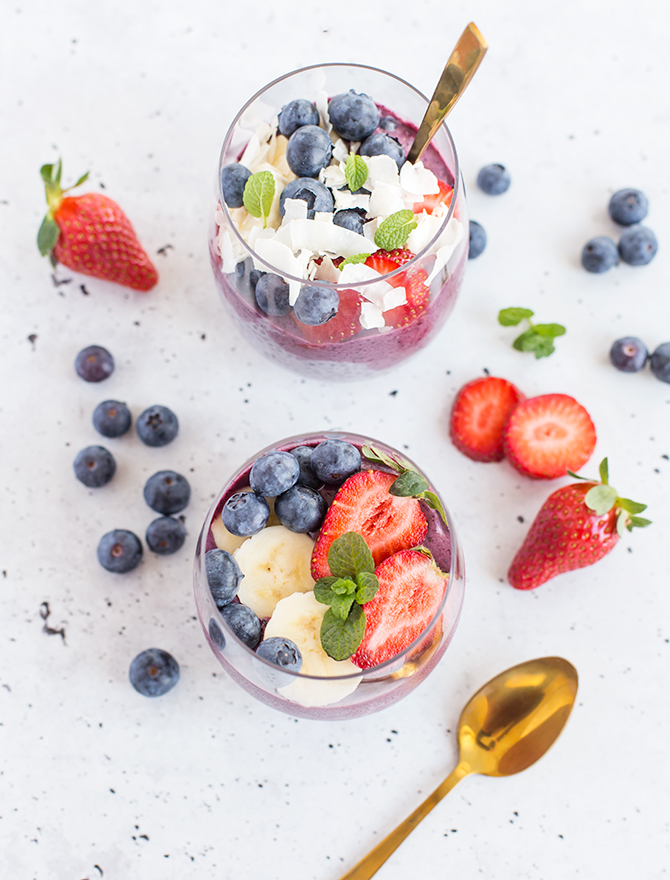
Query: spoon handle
{"type": "Point", "coordinates": [459, 70]}
{"type": "Point", "coordinates": [372, 862]}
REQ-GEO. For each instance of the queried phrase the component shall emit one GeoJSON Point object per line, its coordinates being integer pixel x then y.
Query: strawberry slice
{"type": "Point", "coordinates": [364, 504]}
{"type": "Point", "coordinates": [345, 324]}
{"type": "Point", "coordinates": [414, 282]}
{"type": "Point", "coordinates": [548, 435]}
{"type": "Point", "coordinates": [411, 588]}
{"type": "Point", "coordinates": [434, 200]}
{"type": "Point", "coordinates": [478, 417]}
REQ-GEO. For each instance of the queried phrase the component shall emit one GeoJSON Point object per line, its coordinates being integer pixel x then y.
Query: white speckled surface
{"type": "Point", "coordinates": [96, 781]}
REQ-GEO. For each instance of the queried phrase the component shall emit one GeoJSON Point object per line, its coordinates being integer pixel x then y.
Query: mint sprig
{"type": "Point", "coordinates": [409, 483]}
{"type": "Point", "coordinates": [353, 583]}
{"type": "Point", "coordinates": [356, 258]}
{"type": "Point", "coordinates": [602, 497]}
{"type": "Point", "coordinates": [538, 338]}
{"type": "Point", "coordinates": [355, 172]}
{"type": "Point", "coordinates": [259, 192]}
{"type": "Point", "coordinates": [394, 231]}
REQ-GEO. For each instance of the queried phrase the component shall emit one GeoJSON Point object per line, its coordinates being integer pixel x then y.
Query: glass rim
{"type": "Point", "coordinates": [452, 575]}
{"type": "Point", "coordinates": [456, 171]}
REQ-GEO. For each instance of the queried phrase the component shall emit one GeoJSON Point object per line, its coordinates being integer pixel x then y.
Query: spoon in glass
{"type": "Point", "coordinates": [459, 70]}
{"type": "Point", "coordinates": [504, 728]}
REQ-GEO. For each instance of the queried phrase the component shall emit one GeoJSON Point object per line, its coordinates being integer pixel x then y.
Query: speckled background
{"type": "Point", "coordinates": [99, 782]}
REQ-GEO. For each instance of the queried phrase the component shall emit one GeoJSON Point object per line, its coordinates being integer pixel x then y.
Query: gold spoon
{"type": "Point", "coordinates": [461, 66]}
{"type": "Point", "coordinates": [504, 728]}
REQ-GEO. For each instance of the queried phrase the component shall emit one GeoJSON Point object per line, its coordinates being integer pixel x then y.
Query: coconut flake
{"type": "Point", "coordinates": [446, 245]}
{"type": "Point", "coordinates": [354, 273]}
{"type": "Point", "coordinates": [345, 200]}
{"type": "Point", "coordinates": [340, 151]}
{"type": "Point", "coordinates": [397, 296]}
{"type": "Point", "coordinates": [371, 316]}
{"type": "Point", "coordinates": [321, 102]}
{"type": "Point", "coordinates": [386, 199]}
{"type": "Point", "coordinates": [325, 271]}
{"type": "Point", "coordinates": [417, 180]}
{"type": "Point", "coordinates": [428, 225]}
{"type": "Point", "coordinates": [294, 209]}
{"type": "Point", "coordinates": [332, 176]}
{"type": "Point", "coordinates": [326, 238]}
{"type": "Point", "coordinates": [381, 169]}
{"type": "Point", "coordinates": [323, 216]}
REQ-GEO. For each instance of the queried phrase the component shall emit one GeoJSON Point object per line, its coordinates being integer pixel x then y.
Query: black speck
{"type": "Point", "coordinates": [136, 323]}
{"type": "Point", "coordinates": [98, 868]}
{"type": "Point", "coordinates": [45, 611]}
{"type": "Point", "coordinates": [656, 471]}
{"type": "Point", "coordinates": [561, 836]}
{"type": "Point", "coordinates": [630, 549]}
{"type": "Point", "coordinates": [203, 336]}
{"type": "Point", "coordinates": [102, 185]}
{"type": "Point", "coordinates": [163, 250]}
{"type": "Point", "coordinates": [112, 791]}
{"type": "Point", "coordinates": [666, 457]}
{"type": "Point", "coordinates": [58, 281]}
{"type": "Point", "coordinates": [486, 371]}
{"type": "Point", "coordinates": [521, 519]}
{"type": "Point", "coordinates": [32, 339]}
{"type": "Point", "coordinates": [393, 393]}
{"type": "Point", "coordinates": [83, 290]}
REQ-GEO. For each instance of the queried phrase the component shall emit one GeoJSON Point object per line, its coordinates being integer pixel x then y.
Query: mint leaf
{"type": "Point", "coordinates": [604, 472]}
{"type": "Point", "coordinates": [357, 258]}
{"type": "Point", "coordinates": [368, 585]}
{"type": "Point", "coordinates": [551, 330]}
{"type": "Point", "coordinates": [394, 231]}
{"type": "Point", "coordinates": [408, 485]}
{"type": "Point", "coordinates": [343, 587]}
{"type": "Point", "coordinates": [355, 172]}
{"type": "Point", "coordinates": [600, 499]}
{"type": "Point", "coordinates": [512, 317]}
{"type": "Point", "coordinates": [526, 342]}
{"type": "Point", "coordinates": [543, 347]}
{"type": "Point", "coordinates": [631, 506]}
{"type": "Point", "coordinates": [397, 464]}
{"type": "Point", "coordinates": [47, 235]}
{"type": "Point", "coordinates": [341, 606]}
{"type": "Point", "coordinates": [258, 194]}
{"type": "Point", "coordinates": [349, 555]}
{"type": "Point", "coordinates": [340, 638]}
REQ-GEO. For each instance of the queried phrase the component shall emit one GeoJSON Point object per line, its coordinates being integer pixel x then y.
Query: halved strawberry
{"type": "Point", "coordinates": [345, 324]}
{"type": "Point", "coordinates": [548, 435]}
{"type": "Point", "coordinates": [478, 417]}
{"type": "Point", "coordinates": [364, 504]}
{"type": "Point", "coordinates": [388, 261]}
{"type": "Point", "coordinates": [414, 282]}
{"type": "Point", "coordinates": [411, 588]}
{"type": "Point", "coordinates": [433, 200]}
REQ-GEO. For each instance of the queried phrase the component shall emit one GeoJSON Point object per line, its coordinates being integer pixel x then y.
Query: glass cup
{"type": "Point", "coordinates": [370, 333]}
{"type": "Point", "coordinates": [355, 693]}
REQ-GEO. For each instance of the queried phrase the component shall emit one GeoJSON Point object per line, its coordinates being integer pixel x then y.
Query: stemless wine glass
{"type": "Point", "coordinates": [343, 696]}
{"type": "Point", "coordinates": [355, 343]}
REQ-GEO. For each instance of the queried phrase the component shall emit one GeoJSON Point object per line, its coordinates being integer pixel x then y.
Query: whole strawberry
{"type": "Point", "coordinates": [91, 234]}
{"type": "Point", "coordinates": [576, 526]}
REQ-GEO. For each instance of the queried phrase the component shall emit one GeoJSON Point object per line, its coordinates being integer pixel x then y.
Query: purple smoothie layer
{"type": "Point", "coordinates": [370, 351]}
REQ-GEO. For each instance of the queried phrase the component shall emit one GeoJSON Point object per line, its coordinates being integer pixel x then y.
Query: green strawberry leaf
{"type": "Point", "coordinates": [47, 235]}
{"type": "Point", "coordinates": [577, 477]}
{"type": "Point", "coordinates": [604, 471]}
{"type": "Point", "coordinates": [432, 501]}
{"type": "Point", "coordinates": [512, 317]}
{"type": "Point", "coordinates": [638, 522]}
{"type": "Point", "coordinates": [341, 606]}
{"type": "Point", "coordinates": [259, 192]}
{"type": "Point", "coordinates": [394, 231]}
{"type": "Point", "coordinates": [621, 523]}
{"type": "Point", "coordinates": [355, 172]}
{"type": "Point", "coordinates": [600, 499]}
{"type": "Point", "coordinates": [340, 638]}
{"type": "Point", "coordinates": [631, 506]}
{"type": "Point", "coordinates": [368, 584]}
{"type": "Point", "coordinates": [551, 330]}
{"type": "Point", "coordinates": [349, 555]}
{"type": "Point", "coordinates": [47, 173]}
{"type": "Point", "coordinates": [408, 485]}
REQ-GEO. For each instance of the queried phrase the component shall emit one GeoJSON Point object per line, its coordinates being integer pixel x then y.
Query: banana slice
{"type": "Point", "coordinates": [225, 540]}
{"type": "Point", "coordinates": [298, 617]}
{"type": "Point", "coordinates": [275, 563]}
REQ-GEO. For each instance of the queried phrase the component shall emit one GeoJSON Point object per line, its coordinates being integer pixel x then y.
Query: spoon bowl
{"type": "Point", "coordinates": [504, 728]}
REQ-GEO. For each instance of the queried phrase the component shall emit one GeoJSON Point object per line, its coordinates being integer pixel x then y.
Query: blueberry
{"type": "Point", "coordinates": [317, 196]}
{"type": "Point", "coordinates": [242, 278]}
{"type": "Point", "coordinates": [296, 114]}
{"type": "Point", "coordinates": [111, 418]}
{"type": "Point", "coordinates": [349, 218]}
{"type": "Point", "coordinates": [629, 354]}
{"type": "Point", "coordinates": [119, 551]}
{"type": "Point", "coordinates": [216, 635]}
{"type": "Point", "coordinates": [628, 206]}
{"type": "Point", "coordinates": [307, 476]}
{"type": "Point", "coordinates": [255, 276]}
{"type": "Point", "coordinates": [282, 652]}
{"type": "Point", "coordinates": [316, 305]}
{"type": "Point", "coordinates": [382, 144]}
{"type": "Point", "coordinates": [274, 473]}
{"type": "Point", "coordinates": [477, 240]}
{"type": "Point", "coordinates": [335, 460]}
{"type": "Point", "coordinates": [300, 509]}
{"type": "Point", "coordinates": [94, 466]}
{"type": "Point", "coordinates": [233, 180]}
{"type": "Point", "coordinates": [94, 363]}
{"type": "Point", "coordinates": [167, 492]}
{"type": "Point", "coordinates": [494, 179]}
{"type": "Point", "coordinates": [154, 672]}
{"type": "Point", "coordinates": [309, 149]}
{"type": "Point", "coordinates": [637, 246]}
{"type": "Point", "coordinates": [599, 254]}
{"type": "Point", "coordinates": [165, 535]}
{"type": "Point", "coordinates": [157, 426]}
{"type": "Point", "coordinates": [660, 362]}
{"type": "Point", "coordinates": [223, 576]}
{"type": "Point", "coordinates": [353, 116]}
{"type": "Point", "coordinates": [388, 123]}
{"type": "Point", "coordinates": [245, 513]}
{"type": "Point", "coordinates": [243, 622]}
{"type": "Point", "coordinates": [272, 294]}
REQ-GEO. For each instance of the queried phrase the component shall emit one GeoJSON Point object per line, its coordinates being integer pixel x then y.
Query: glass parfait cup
{"type": "Point", "coordinates": [370, 333]}
{"type": "Point", "coordinates": [341, 696]}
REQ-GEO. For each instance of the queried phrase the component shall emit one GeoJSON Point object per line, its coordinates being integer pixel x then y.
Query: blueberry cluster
{"type": "Point", "coordinates": [630, 355]}
{"type": "Point", "coordinates": [292, 480]}
{"type": "Point", "coordinates": [637, 244]}
{"type": "Point", "coordinates": [494, 180]}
